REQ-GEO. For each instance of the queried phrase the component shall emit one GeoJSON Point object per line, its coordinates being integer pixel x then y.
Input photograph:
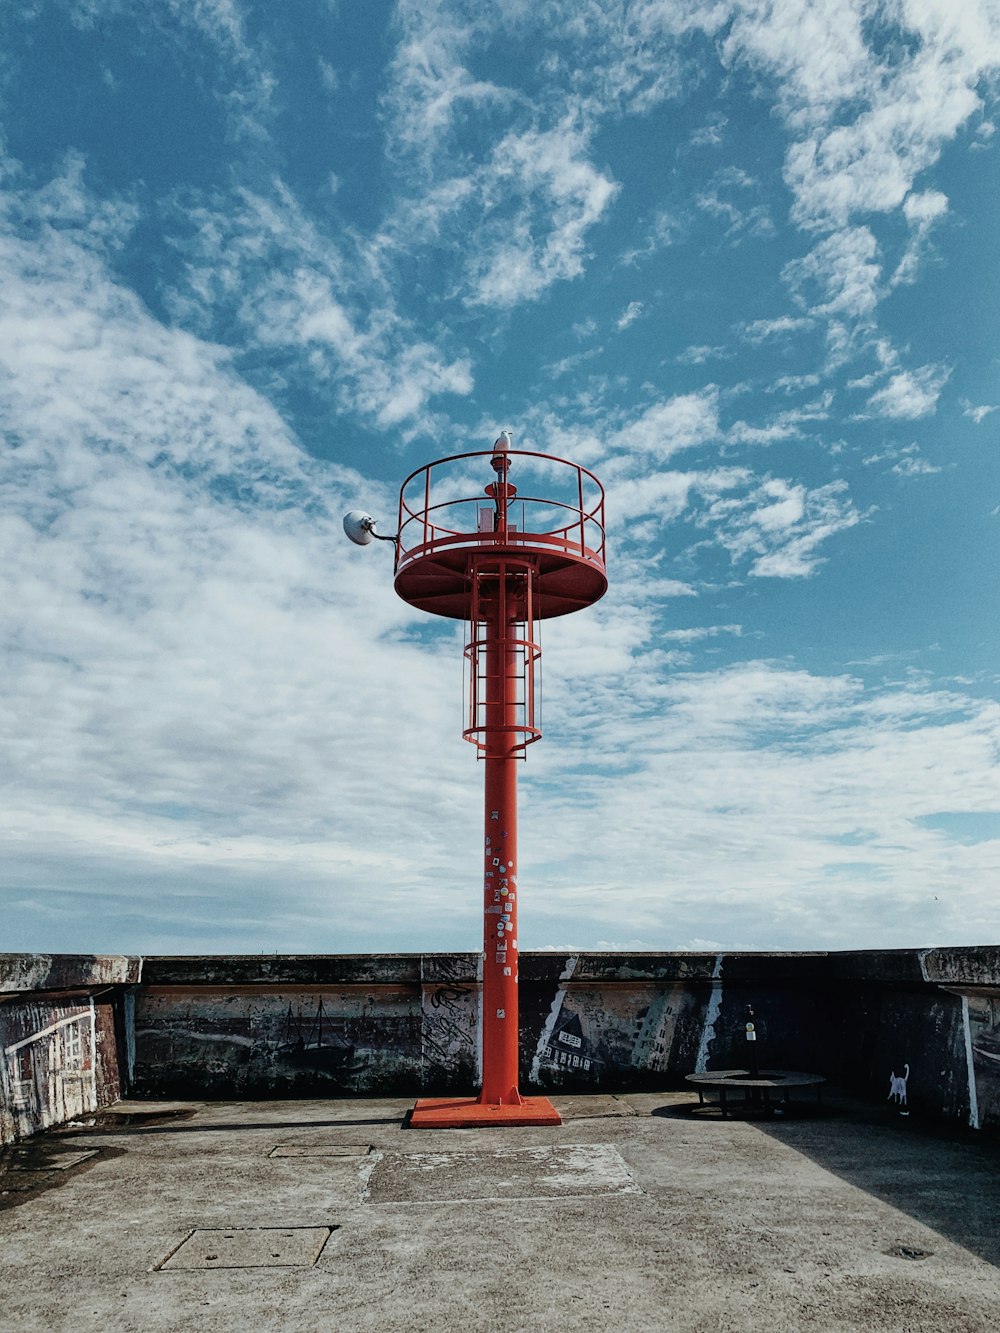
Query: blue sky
{"type": "Point", "coordinates": [258, 262]}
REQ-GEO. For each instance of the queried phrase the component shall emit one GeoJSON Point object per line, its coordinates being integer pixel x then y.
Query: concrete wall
{"type": "Point", "coordinates": [63, 1038]}
{"type": "Point", "coordinates": [408, 1023]}
{"type": "Point", "coordinates": [932, 1015]}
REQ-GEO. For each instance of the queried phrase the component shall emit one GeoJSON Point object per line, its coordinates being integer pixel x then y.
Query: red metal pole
{"type": "Point", "coordinates": [500, 1017]}
{"type": "Point", "coordinates": [502, 597]}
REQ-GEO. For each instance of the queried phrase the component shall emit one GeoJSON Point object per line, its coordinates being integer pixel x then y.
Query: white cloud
{"type": "Point", "coordinates": [183, 624]}
{"type": "Point", "coordinates": [843, 266]}
{"type": "Point", "coordinates": [711, 133]}
{"type": "Point", "coordinates": [985, 131]}
{"type": "Point", "coordinates": [697, 356]}
{"type": "Point", "coordinates": [663, 232]}
{"type": "Point", "coordinates": [779, 527]}
{"type": "Point", "coordinates": [912, 465]}
{"type": "Point", "coordinates": [784, 507]}
{"type": "Point", "coordinates": [702, 632]}
{"type": "Point", "coordinates": [920, 209]}
{"type": "Point", "coordinates": [741, 432]}
{"type": "Point", "coordinates": [761, 329]}
{"type": "Point", "coordinates": [788, 384]}
{"type": "Point", "coordinates": [909, 394]}
{"type": "Point", "coordinates": [629, 315]}
{"type": "Point", "coordinates": [742, 219]}
{"type": "Point", "coordinates": [817, 51]}
{"type": "Point", "coordinates": [429, 81]}
{"type": "Point", "coordinates": [329, 75]}
{"type": "Point", "coordinates": [556, 369]}
{"type": "Point", "coordinates": [906, 462]}
{"type": "Point", "coordinates": [899, 113]}
{"type": "Point", "coordinates": [558, 195]}
{"type": "Point", "coordinates": [776, 780]}
{"type": "Point", "coordinates": [665, 495]}
{"type": "Point", "coordinates": [769, 527]}
{"type": "Point", "coordinates": [265, 264]}
{"type": "Point", "coordinates": [634, 59]}
{"type": "Point", "coordinates": [922, 212]}
{"type": "Point", "coordinates": [888, 360]}
{"type": "Point", "coordinates": [784, 425]}
{"type": "Point", "coordinates": [678, 423]}
{"type": "Point", "coordinates": [978, 412]}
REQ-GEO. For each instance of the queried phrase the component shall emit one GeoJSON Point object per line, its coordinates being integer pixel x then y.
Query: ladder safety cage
{"type": "Point", "coordinates": [503, 655]}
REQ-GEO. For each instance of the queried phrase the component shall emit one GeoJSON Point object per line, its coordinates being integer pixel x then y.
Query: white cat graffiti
{"type": "Point", "coordinates": [897, 1088]}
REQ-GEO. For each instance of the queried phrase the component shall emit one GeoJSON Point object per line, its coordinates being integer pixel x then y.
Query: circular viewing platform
{"type": "Point", "coordinates": [450, 524]}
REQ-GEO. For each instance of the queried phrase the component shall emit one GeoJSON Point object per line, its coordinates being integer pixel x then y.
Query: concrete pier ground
{"type": "Point", "coordinates": [638, 1213]}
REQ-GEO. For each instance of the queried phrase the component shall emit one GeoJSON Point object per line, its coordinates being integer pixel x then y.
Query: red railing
{"type": "Point", "coordinates": [570, 521]}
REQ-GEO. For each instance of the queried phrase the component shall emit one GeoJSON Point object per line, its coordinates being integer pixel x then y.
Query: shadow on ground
{"type": "Point", "coordinates": [947, 1179]}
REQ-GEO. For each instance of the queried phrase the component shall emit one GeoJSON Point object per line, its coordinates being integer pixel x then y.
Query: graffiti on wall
{"type": "Point", "coordinates": [49, 1066]}
{"type": "Point", "coordinates": [449, 1035]}
{"type": "Point", "coordinates": [569, 1047]}
{"type": "Point", "coordinates": [317, 1041]}
{"type": "Point", "coordinates": [320, 1042]}
{"type": "Point", "coordinates": [590, 1034]}
{"type": "Point", "coordinates": [657, 1028]}
{"type": "Point", "coordinates": [984, 1033]}
{"type": "Point", "coordinates": [897, 1088]}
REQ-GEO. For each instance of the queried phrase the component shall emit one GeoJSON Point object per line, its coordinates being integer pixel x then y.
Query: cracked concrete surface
{"type": "Point", "coordinates": [639, 1212]}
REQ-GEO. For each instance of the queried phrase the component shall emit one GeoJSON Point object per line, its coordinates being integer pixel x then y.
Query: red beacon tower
{"type": "Point", "coordinates": [502, 566]}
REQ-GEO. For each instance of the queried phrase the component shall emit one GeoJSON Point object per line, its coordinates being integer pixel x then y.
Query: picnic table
{"type": "Point", "coordinates": [757, 1087]}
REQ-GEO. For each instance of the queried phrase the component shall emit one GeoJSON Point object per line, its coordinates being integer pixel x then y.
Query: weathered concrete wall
{"type": "Point", "coordinates": [409, 1023]}
{"type": "Point", "coordinates": [306, 1026]}
{"type": "Point", "coordinates": [62, 1034]}
{"type": "Point", "coordinates": [647, 1020]}
{"type": "Point", "coordinates": [931, 1017]}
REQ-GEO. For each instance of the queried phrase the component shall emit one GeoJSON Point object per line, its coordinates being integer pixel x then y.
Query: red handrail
{"type": "Point", "coordinates": [435, 534]}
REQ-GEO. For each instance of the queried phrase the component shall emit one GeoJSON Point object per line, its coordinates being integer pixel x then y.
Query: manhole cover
{"type": "Point", "coordinates": [321, 1150]}
{"type": "Point", "coordinates": [249, 1247]}
{"type": "Point", "coordinates": [909, 1252]}
{"type": "Point", "coordinates": [505, 1173]}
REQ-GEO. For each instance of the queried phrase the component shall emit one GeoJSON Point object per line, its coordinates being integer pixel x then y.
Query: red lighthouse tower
{"type": "Point", "coordinates": [502, 566]}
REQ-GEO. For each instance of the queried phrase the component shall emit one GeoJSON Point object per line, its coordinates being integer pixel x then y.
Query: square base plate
{"type": "Point", "coordinates": [469, 1113]}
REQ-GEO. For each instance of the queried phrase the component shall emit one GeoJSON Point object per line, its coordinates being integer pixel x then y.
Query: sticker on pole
{"type": "Point", "coordinates": [751, 1032]}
